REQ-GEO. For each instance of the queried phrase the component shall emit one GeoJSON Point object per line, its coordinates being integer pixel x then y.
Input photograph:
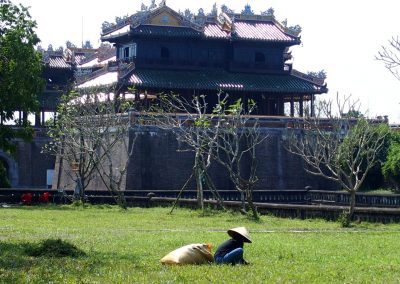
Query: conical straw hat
{"type": "Point", "coordinates": [241, 232]}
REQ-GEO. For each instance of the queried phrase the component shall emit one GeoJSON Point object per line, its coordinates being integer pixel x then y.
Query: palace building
{"type": "Point", "coordinates": [247, 56]}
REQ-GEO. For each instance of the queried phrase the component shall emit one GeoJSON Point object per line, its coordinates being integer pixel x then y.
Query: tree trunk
{"type": "Point", "coordinates": [352, 204]}
{"type": "Point", "coordinates": [249, 197]}
{"type": "Point", "coordinates": [121, 200]}
{"type": "Point", "coordinates": [199, 182]}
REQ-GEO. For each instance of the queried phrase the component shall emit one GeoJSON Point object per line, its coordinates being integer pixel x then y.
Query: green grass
{"type": "Point", "coordinates": [126, 246]}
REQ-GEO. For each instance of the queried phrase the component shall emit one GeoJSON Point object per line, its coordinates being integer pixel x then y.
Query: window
{"type": "Point", "coordinates": [127, 51]}
{"type": "Point", "coordinates": [164, 53]}
{"type": "Point", "coordinates": [164, 20]}
{"type": "Point", "coordinates": [259, 58]}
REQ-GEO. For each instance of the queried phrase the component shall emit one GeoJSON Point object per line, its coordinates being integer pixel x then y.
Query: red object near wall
{"type": "Point", "coordinates": [44, 197]}
{"type": "Point", "coordinates": [26, 198]}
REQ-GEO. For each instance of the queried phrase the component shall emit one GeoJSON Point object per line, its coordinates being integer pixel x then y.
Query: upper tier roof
{"type": "Point", "coordinates": [211, 80]}
{"type": "Point", "coordinates": [163, 21]}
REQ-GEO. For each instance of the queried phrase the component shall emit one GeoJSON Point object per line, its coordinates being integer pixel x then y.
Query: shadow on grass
{"type": "Point", "coordinates": [12, 256]}
{"type": "Point", "coordinates": [57, 207]}
{"type": "Point", "coordinates": [16, 255]}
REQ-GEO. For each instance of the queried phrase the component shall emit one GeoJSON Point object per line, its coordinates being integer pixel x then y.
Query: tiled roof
{"type": "Point", "coordinates": [240, 27]}
{"type": "Point", "coordinates": [105, 61]}
{"type": "Point", "coordinates": [267, 31]}
{"type": "Point", "coordinates": [120, 31]}
{"type": "Point", "coordinates": [222, 80]}
{"type": "Point", "coordinates": [58, 62]}
{"type": "Point", "coordinates": [91, 63]}
{"type": "Point", "coordinates": [167, 31]}
{"type": "Point", "coordinates": [95, 62]}
{"type": "Point", "coordinates": [242, 30]}
{"type": "Point", "coordinates": [214, 31]}
{"type": "Point", "coordinates": [105, 79]}
{"type": "Point", "coordinates": [79, 58]}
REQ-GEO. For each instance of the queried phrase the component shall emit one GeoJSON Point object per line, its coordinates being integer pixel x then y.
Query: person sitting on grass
{"type": "Point", "coordinates": [231, 251]}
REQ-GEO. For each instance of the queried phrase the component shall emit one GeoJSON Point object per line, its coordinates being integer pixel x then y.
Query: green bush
{"type": "Point", "coordinates": [391, 167]}
{"type": "Point", "coordinates": [4, 182]}
{"type": "Point", "coordinates": [344, 219]}
{"type": "Point", "coordinates": [349, 148]}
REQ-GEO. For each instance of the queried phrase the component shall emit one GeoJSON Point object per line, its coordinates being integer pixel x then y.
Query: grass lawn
{"type": "Point", "coordinates": [126, 246]}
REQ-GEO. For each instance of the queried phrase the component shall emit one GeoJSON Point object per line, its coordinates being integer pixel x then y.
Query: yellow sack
{"type": "Point", "coordinates": [189, 254]}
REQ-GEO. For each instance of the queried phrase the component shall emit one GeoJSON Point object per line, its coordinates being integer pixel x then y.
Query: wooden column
{"type": "Point", "coordinates": [282, 106]}
{"type": "Point", "coordinates": [43, 118]}
{"type": "Point", "coordinates": [25, 118]}
{"type": "Point", "coordinates": [292, 106]}
{"type": "Point", "coordinates": [264, 105]}
{"type": "Point", "coordinates": [312, 106]}
{"type": "Point", "coordinates": [301, 106]}
{"type": "Point", "coordinates": [37, 119]}
{"type": "Point", "coordinates": [245, 103]}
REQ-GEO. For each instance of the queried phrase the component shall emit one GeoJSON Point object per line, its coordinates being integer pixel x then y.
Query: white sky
{"type": "Point", "coordinates": [340, 36]}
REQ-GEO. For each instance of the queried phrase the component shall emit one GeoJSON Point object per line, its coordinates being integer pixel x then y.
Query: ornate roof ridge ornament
{"type": "Point", "coordinates": [225, 22]}
{"type": "Point", "coordinates": [318, 81]}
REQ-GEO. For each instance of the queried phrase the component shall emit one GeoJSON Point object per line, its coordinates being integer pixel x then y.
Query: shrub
{"type": "Point", "coordinates": [344, 219]}
{"type": "Point", "coordinates": [53, 248]}
{"type": "Point", "coordinates": [4, 182]}
{"type": "Point", "coordinates": [391, 167]}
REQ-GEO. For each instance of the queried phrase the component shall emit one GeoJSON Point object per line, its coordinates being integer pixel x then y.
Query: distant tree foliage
{"type": "Point", "coordinates": [391, 165]}
{"type": "Point", "coordinates": [4, 182]}
{"type": "Point", "coordinates": [20, 71]}
{"type": "Point", "coordinates": [247, 10]}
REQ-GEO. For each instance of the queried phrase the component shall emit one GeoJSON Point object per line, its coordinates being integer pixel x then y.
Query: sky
{"type": "Point", "coordinates": [341, 37]}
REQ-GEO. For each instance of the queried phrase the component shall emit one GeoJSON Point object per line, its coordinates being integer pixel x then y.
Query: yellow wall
{"type": "Point", "coordinates": [172, 21]}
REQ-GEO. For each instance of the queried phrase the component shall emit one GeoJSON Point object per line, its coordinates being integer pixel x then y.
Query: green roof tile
{"type": "Point", "coordinates": [221, 80]}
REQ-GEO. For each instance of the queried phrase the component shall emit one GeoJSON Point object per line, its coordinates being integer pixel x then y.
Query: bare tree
{"type": "Point", "coordinates": [235, 148]}
{"type": "Point", "coordinates": [336, 146]}
{"type": "Point", "coordinates": [189, 121]}
{"type": "Point", "coordinates": [116, 148]}
{"type": "Point", "coordinates": [224, 133]}
{"type": "Point", "coordinates": [390, 56]}
{"type": "Point", "coordinates": [91, 128]}
{"type": "Point", "coordinates": [75, 140]}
